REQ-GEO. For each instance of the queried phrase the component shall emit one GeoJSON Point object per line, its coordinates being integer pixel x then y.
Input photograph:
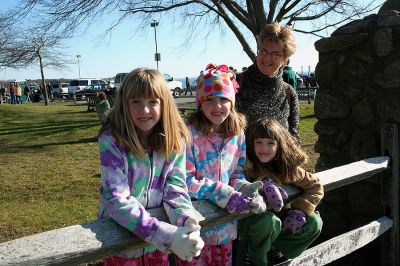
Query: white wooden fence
{"type": "Point", "coordinates": [98, 239]}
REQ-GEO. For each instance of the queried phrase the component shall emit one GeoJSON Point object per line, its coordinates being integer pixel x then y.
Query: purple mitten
{"type": "Point", "coordinates": [275, 195]}
{"type": "Point", "coordinates": [238, 203]}
{"type": "Point", "coordinates": [294, 221]}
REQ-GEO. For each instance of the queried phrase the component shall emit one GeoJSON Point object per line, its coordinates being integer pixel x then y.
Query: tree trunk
{"type": "Point", "coordinates": [46, 96]}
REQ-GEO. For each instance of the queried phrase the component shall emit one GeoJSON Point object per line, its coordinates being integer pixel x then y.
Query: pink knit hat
{"type": "Point", "coordinates": [216, 81]}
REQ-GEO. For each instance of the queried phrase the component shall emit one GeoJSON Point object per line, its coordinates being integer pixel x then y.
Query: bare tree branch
{"type": "Point", "coordinates": [24, 48]}
{"type": "Point", "coordinates": [242, 17]}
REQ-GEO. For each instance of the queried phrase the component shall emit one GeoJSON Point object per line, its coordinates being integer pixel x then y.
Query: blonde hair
{"type": "Point", "coordinates": [276, 33]}
{"type": "Point", "coordinates": [233, 125]}
{"type": "Point", "coordinates": [289, 156]}
{"type": "Point", "coordinates": [170, 134]}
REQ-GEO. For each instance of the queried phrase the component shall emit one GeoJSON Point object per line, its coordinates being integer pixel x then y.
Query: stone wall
{"type": "Point", "coordinates": [359, 89]}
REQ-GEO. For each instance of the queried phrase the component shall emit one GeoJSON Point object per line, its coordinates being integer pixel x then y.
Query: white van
{"type": "Point", "coordinates": [119, 78]}
{"type": "Point", "coordinates": [79, 84]}
{"type": "Point", "coordinates": [174, 85]}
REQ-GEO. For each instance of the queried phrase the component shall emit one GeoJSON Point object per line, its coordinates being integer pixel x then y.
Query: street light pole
{"type": "Point", "coordinates": [79, 66]}
{"type": "Point", "coordinates": [157, 56]}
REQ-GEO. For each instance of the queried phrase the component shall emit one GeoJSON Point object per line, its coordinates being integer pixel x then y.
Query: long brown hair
{"type": "Point", "coordinates": [170, 133]}
{"type": "Point", "coordinates": [289, 156]}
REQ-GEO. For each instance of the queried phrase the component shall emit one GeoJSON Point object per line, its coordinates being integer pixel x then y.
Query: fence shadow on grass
{"type": "Point", "coordinates": [49, 127]}
{"type": "Point", "coordinates": [40, 146]}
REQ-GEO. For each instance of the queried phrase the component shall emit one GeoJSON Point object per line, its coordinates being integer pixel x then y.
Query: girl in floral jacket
{"type": "Point", "coordinates": [142, 154]}
{"type": "Point", "coordinates": [215, 161]}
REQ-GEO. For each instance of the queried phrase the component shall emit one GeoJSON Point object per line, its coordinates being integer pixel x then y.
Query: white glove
{"type": "Point", "coordinates": [186, 243]}
{"type": "Point", "coordinates": [251, 189]}
{"type": "Point", "coordinates": [258, 205]}
{"type": "Point", "coordinates": [192, 223]}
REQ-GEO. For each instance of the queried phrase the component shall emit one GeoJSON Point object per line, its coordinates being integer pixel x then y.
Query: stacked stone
{"type": "Point", "coordinates": [359, 90]}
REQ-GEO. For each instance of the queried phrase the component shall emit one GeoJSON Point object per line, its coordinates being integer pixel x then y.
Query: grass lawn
{"type": "Point", "coordinates": [49, 165]}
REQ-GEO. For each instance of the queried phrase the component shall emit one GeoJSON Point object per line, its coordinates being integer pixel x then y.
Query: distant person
{"type": "Point", "coordinates": [289, 76]}
{"type": "Point", "coordinates": [2, 94]}
{"type": "Point", "coordinates": [110, 89]}
{"type": "Point", "coordinates": [262, 89]}
{"type": "Point", "coordinates": [50, 92]}
{"type": "Point", "coordinates": [313, 81]}
{"type": "Point", "coordinates": [188, 87]}
{"type": "Point", "coordinates": [233, 71]}
{"type": "Point", "coordinates": [143, 166]}
{"type": "Point", "coordinates": [27, 93]}
{"type": "Point", "coordinates": [13, 93]}
{"type": "Point", "coordinates": [283, 231]}
{"type": "Point", "coordinates": [102, 107]}
{"type": "Point", "coordinates": [38, 96]}
{"type": "Point", "coordinates": [109, 85]}
{"type": "Point", "coordinates": [19, 94]}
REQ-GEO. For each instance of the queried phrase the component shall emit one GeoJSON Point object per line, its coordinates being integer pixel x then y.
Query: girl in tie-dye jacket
{"type": "Point", "coordinates": [142, 154]}
{"type": "Point", "coordinates": [215, 162]}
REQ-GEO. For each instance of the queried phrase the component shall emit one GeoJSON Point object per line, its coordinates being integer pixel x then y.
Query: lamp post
{"type": "Point", "coordinates": [157, 56]}
{"type": "Point", "coordinates": [79, 66]}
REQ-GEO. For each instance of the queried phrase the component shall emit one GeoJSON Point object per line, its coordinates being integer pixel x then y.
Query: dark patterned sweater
{"type": "Point", "coordinates": [260, 95]}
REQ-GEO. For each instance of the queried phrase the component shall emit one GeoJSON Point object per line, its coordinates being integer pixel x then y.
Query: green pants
{"type": "Point", "coordinates": [263, 230]}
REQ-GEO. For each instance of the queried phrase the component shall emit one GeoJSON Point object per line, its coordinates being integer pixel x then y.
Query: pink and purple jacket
{"type": "Point", "coordinates": [213, 173]}
{"type": "Point", "coordinates": [131, 185]}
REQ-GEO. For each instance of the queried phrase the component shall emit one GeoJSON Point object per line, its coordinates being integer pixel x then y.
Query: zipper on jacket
{"type": "Point", "coordinates": [219, 164]}
{"type": "Point", "coordinates": [220, 150]}
{"type": "Point", "coordinates": [151, 179]}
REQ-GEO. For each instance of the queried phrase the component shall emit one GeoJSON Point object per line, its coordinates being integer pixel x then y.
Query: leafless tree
{"type": "Point", "coordinates": [245, 18]}
{"type": "Point", "coordinates": [23, 47]}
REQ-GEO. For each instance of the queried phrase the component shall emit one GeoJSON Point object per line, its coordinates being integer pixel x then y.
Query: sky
{"type": "Point", "coordinates": [124, 51]}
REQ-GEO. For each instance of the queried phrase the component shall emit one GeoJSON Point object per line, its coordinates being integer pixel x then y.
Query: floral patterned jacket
{"type": "Point", "coordinates": [132, 185]}
{"type": "Point", "coordinates": [213, 173]}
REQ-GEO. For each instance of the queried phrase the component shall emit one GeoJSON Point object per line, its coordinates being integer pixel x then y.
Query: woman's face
{"type": "Point", "coordinates": [270, 58]}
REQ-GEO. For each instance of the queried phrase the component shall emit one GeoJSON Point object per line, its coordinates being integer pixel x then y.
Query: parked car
{"type": "Point", "coordinates": [174, 85]}
{"type": "Point", "coordinates": [63, 89]}
{"type": "Point", "coordinates": [90, 90]}
{"type": "Point", "coordinates": [76, 85]}
{"type": "Point", "coordinates": [56, 88]}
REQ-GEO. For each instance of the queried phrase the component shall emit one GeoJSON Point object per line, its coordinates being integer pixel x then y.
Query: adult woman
{"type": "Point", "coordinates": [262, 90]}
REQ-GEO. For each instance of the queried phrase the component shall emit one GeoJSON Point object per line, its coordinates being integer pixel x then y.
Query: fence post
{"type": "Point", "coordinates": [390, 246]}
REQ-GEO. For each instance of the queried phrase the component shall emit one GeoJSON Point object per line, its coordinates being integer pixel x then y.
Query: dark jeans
{"type": "Point", "coordinates": [13, 98]}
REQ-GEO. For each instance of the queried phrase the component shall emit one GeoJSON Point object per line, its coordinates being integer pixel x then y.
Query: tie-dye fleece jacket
{"type": "Point", "coordinates": [131, 185]}
{"type": "Point", "coordinates": [213, 173]}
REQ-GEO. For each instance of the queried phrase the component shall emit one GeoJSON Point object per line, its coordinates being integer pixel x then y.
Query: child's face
{"type": "Point", "coordinates": [265, 149]}
{"type": "Point", "coordinates": [145, 113]}
{"type": "Point", "coordinates": [216, 109]}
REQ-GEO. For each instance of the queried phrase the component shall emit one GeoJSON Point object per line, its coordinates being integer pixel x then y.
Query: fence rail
{"type": "Point", "coordinates": [98, 239]}
{"type": "Point", "coordinates": [342, 245]}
